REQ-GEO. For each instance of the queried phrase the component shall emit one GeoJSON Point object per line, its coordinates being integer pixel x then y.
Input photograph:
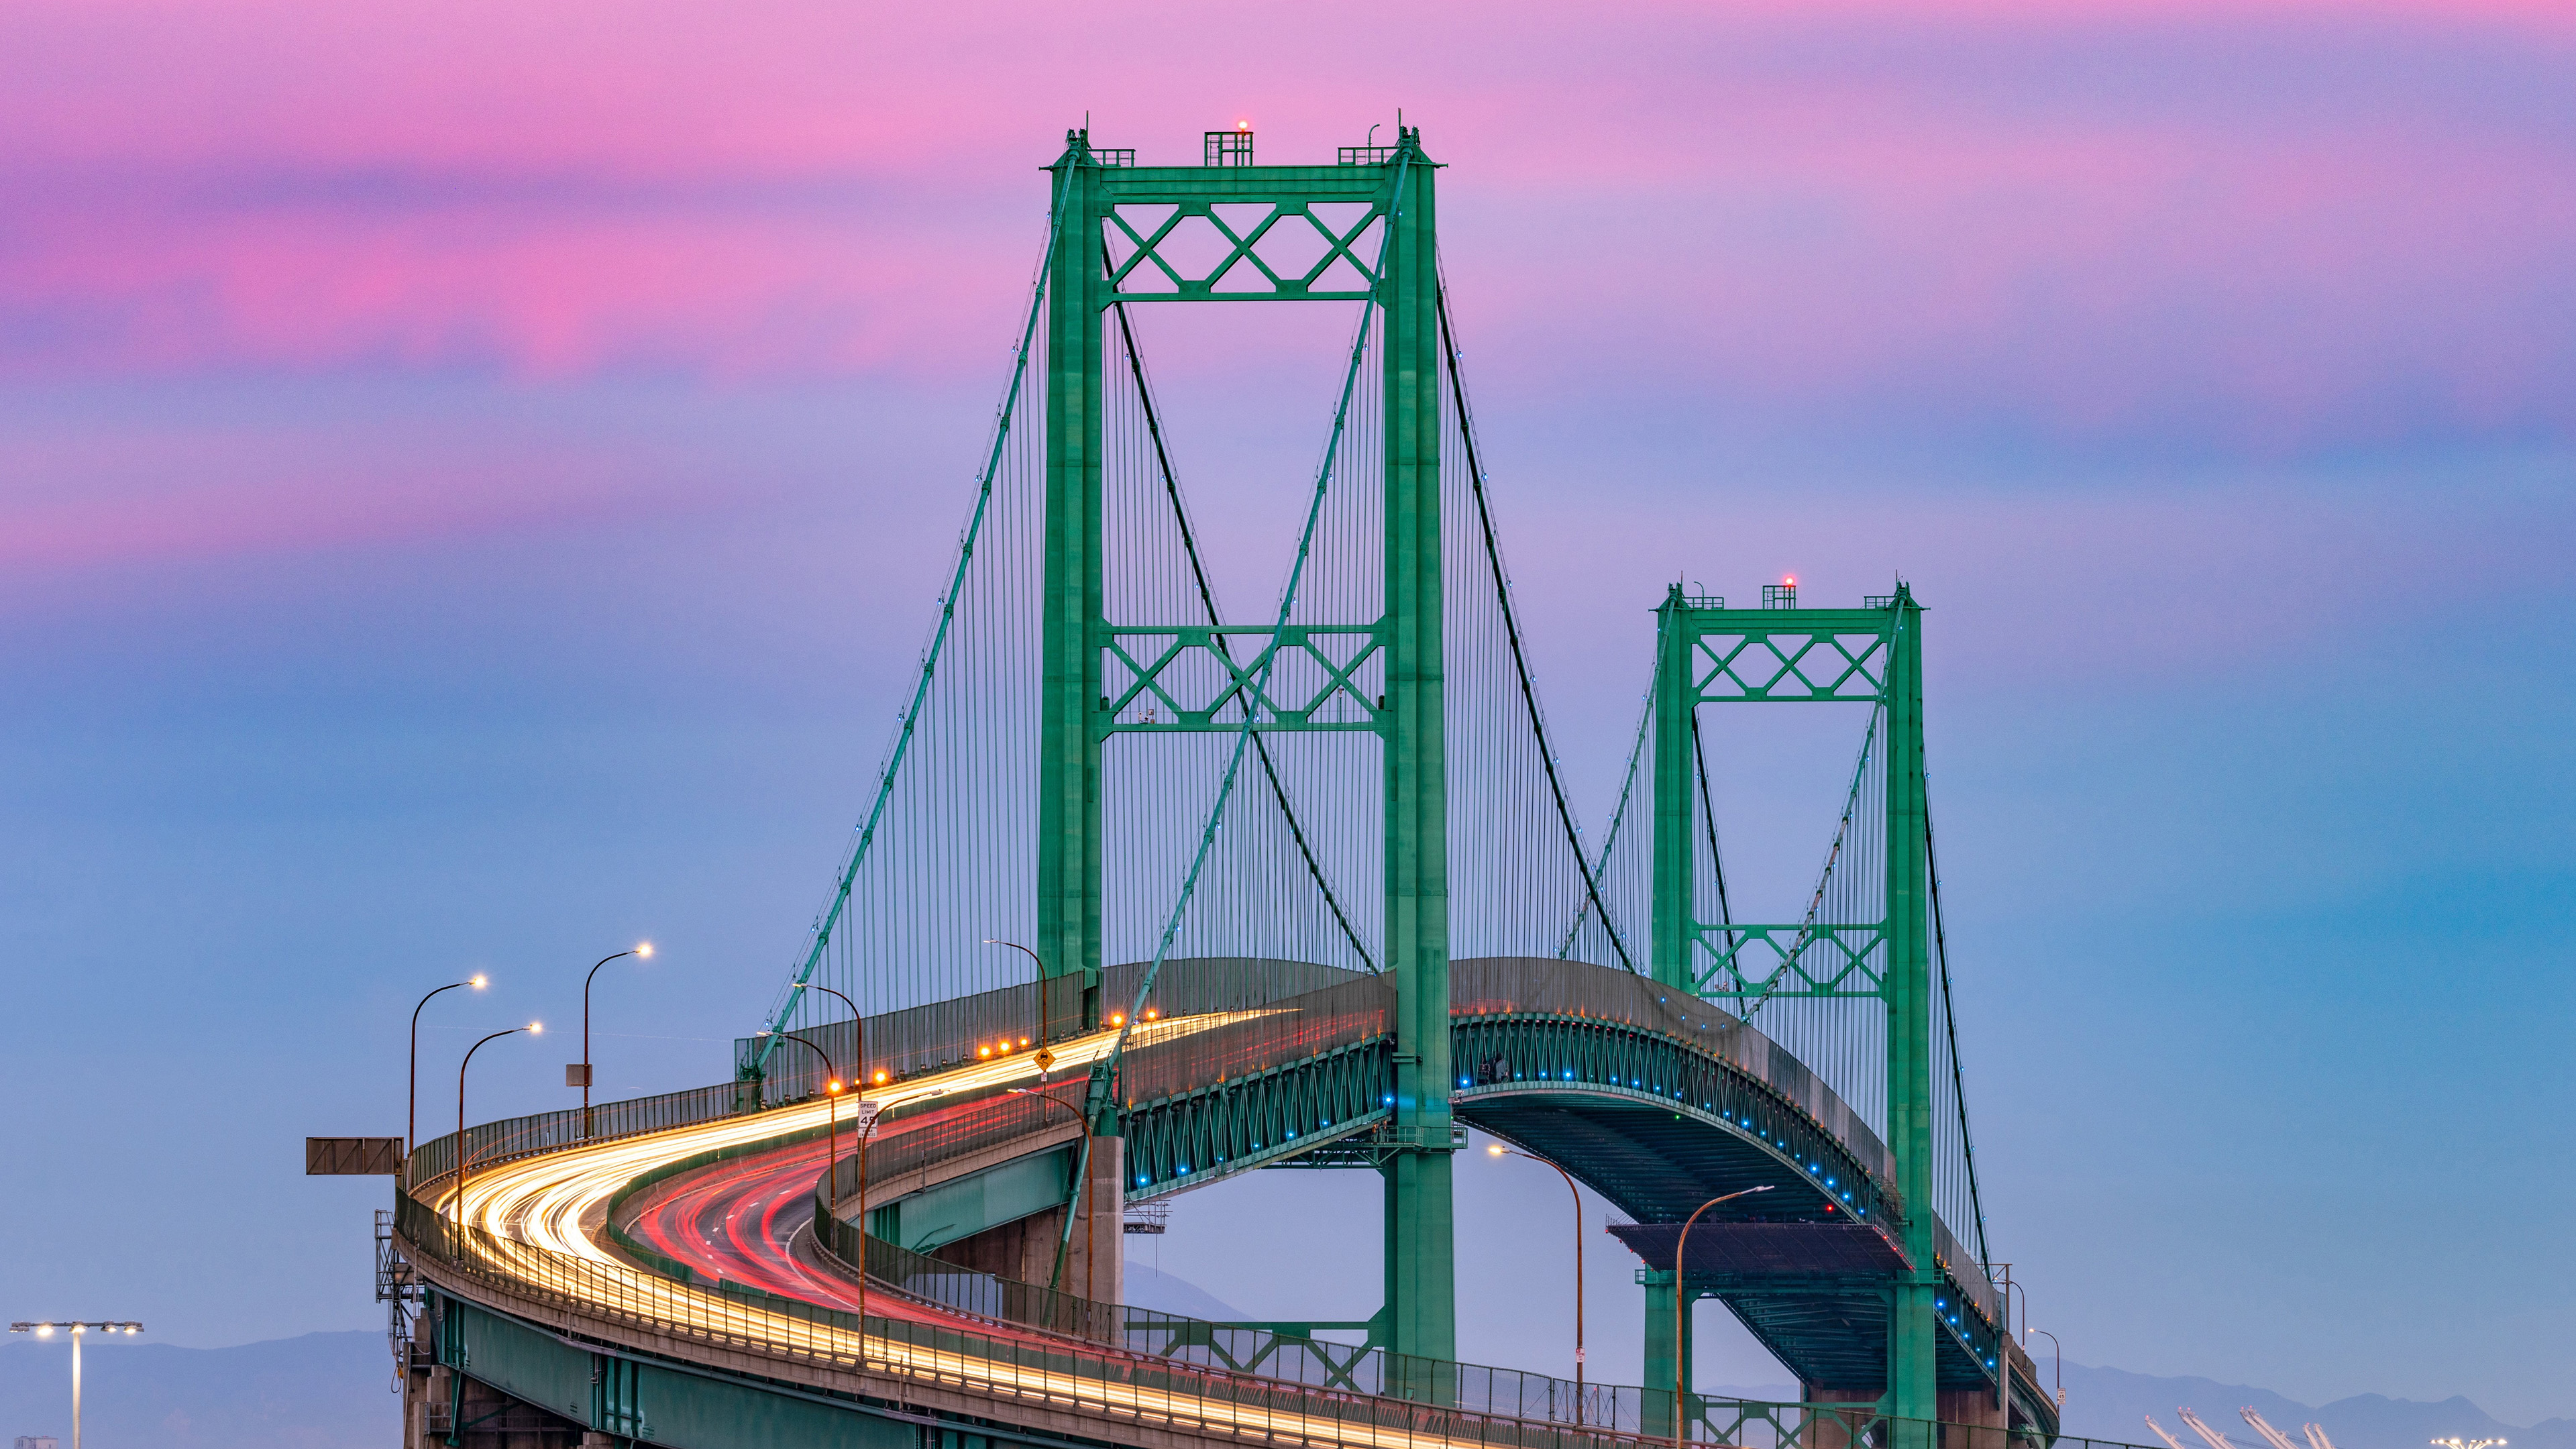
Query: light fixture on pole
{"type": "Point", "coordinates": [411, 1095]}
{"type": "Point", "coordinates": [532, 1028]}
{"type": "Point", "coordinates": [578, 1074]}
{"type": "Point", "coordinates": [78, 1331]}
{"type": "Point", "coordinates": [831, 1133]}
{"type": "Point", "coordinates": [1045, 1058]}
{"type": "Point", "coordinates": [866, 1127]}
{"type": "Point", "coordinates": [1498, 1150]}
{"type": "Point", "coordinates": [1681, 1307]}
{"type": "Point", "coordinates": [867, 1109]}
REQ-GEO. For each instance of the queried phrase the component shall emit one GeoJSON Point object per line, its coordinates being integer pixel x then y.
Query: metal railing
{"type": "Point", "coordinates": [514, 1137]}
{"type": "Point", "coordinates": [944, 1034]}
{"type": "Point", "coordinates": [1058, 1373]}
{"type": "Point", "coordinates": [1624, 1411]}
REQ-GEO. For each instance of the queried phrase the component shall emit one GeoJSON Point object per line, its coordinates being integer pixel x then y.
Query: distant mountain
{"type": "Point", "coordinates": [321, 1391]}
{"type": "Point", "coordinates": [2108, 1403]}
{"type": "Point", "coordinates": [1164, 1293]}
{"type": "Point", "coordinates": [332, 1391]}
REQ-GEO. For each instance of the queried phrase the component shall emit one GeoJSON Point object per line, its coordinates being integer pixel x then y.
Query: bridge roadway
{"type": "Point", "coordinates": [1655, 1104]}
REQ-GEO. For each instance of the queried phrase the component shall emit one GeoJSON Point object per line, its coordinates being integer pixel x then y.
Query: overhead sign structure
{"type": "Point", "coordinates": [353, 1156]}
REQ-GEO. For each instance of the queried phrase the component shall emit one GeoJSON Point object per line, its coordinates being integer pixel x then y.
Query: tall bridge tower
{"type": "Point", "coordinates": [1375, 211]}
{"type": "Point", "coordinates": [1877, 958]}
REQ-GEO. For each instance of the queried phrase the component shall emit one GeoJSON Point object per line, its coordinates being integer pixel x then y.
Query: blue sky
{"type": "Point", "coordinates": [462, 522]}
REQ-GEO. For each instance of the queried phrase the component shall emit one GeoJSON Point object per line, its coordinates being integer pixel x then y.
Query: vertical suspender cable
{"type": "Point", "coordinates": [1950, 1020]}
{"type": "Point", "coordinates": [1207, 599]}
{"type": "Point", "coordinates": [1512, 627]}
{"type": "Point", "coordinates": [1708, 815]}
{"type": "Point", "coordinates": [823, 931]}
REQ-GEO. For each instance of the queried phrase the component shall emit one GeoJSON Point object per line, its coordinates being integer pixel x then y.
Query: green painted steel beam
{"type": "Point", "coordinates": [1069, 737]}
{"type": "Point", "coordinates": [1672, 904]}
{"type": "Point", "coordinates": [1421, 1291]}
{"type": "Point", "coordinates": [1913, 1379]}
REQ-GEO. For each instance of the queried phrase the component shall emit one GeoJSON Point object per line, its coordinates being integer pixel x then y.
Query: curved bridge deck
{"type": "Point", "coordinates": [1655, 1100]}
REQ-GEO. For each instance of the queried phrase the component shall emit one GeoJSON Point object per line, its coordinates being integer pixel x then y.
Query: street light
{"type": "Point", "coordinates": [1681, 1306]}
{"type": "Point", "coordinates": [411, 1108]}
{"type": "Point", "coordinates": [532, 1028]}
{"type": "Point", "coordinates": [1045, 1058]}
{"type": "Point", "coordinates": [867, 1127]}
{"type": "Point", "coordinates": [859, 1084]}
{"type": "Point", "coordinates": [831, 1148]}
{"type": "Point", "coordinates": [643, 952]}
{"type": "Point", "coordinates": [1498, 1150]}
{"type": "Point", "coordinates": [2060, 1356]}
{"type": "Point", "coordinates": [46, 1330]}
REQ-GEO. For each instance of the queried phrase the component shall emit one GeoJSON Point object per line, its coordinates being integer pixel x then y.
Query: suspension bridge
{"type": "Point", "coordinates": [1152, 891]}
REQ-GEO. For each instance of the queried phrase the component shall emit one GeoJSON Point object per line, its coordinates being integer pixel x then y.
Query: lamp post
{"type": "Point", "coordinates": [532, 1028]}
{"type": "Point", "coordinates": [831, 1149]}
{"type": "Point", "coordinates": [411, 1105]}
{"type": "Point", "coordinates": [867, 1128]}
{"type": "Point", "coordinates": [2060, 1357]}
{"type": "Point", "coordinates": [46, 1330]}
{"type": "Point", "coordinates": [1498, 1150]}
{"type": "Point", "coordinates": [1681, 1307]}
{"type": "Point", "coordinates": [859, 1084]}
{"type": "Point", "coordinates": [1046, 1059]}
{"type": "Point", "coordinates": [1056, 1279]}
{"type": "Point", "coordinates": [643, 952]}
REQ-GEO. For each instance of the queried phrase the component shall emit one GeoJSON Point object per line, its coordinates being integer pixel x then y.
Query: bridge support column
{"type": "Point", "coordinates": [1664, 1357]}
{"type": "Point", "coordinates": [1095, 1259]}
{"type": "Point", "coordinates": [1840, 1429]}
{"type": "Point", "coordinates": [1421, 1292]}
{"type": "Point", "coordinates": [1913, 1381]}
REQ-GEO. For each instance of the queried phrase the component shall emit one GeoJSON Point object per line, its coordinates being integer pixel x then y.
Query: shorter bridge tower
{"type": "Point", "coordinates": [1869, 969]}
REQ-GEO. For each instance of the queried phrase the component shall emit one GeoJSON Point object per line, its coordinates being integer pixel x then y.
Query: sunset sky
{"type": "Point", "coordinates": [473, 479]}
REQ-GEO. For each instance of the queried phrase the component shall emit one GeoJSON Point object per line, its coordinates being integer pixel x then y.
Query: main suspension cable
{"type": "Point", "coordinates": [830, 922]}
{"type": "Point", "coordinates": [1512, 627]}
{"type": "Point", "coordinates": [1950, 1019]}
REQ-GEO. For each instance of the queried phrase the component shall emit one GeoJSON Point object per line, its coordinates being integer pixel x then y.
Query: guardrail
{"type": "Point", "coordinates": [1620, 1411]}
{"type": "Point", "coordinates": [515, 1137]}
{"type": "Point", "coordinates": [1058, 1374]}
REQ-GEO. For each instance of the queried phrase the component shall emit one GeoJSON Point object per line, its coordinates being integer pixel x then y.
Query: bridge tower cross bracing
{"type": "Point", "coordinates": [1401, 279]}
{"type": "Point", "coordinates": [1710, 654]}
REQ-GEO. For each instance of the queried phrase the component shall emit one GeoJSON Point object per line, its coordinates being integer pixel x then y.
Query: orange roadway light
{"type": "Point", "coordinates": [881, 1077]}
{"type": "Point", "coordinates": [644, 949]}
{"type": "Point", "coordinates": [477, 981]}
{"type": "Point", "coordinates": [536, 1028]}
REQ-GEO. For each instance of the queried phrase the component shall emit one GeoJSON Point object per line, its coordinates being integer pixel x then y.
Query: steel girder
{"type": "Point", "coordinates": [1195, 1138]}
{"type": "Point", "coordinates": [1653, 1125]}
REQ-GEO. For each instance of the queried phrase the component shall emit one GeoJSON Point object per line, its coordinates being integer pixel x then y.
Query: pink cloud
{"type": "Point", "coordinates": [1815, 210]}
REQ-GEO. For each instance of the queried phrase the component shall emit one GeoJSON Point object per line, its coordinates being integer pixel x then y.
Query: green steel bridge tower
{"type": "Point", "coordinates": [1394, 186]}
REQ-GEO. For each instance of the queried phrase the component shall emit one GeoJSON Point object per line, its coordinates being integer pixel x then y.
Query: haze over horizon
{"type": "Point", "coordinates": [473, 481]}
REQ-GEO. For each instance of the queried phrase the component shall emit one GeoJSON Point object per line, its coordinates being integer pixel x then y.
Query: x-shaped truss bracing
{"type": "Point", "coordinates": [1178, 678]}
{"type": "Point", "coordinates": [1229, 278]}
{"type": "Point", "coordinates": [1789, 666]}
{"type": "Point", "coordinates": [1805, 960]}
